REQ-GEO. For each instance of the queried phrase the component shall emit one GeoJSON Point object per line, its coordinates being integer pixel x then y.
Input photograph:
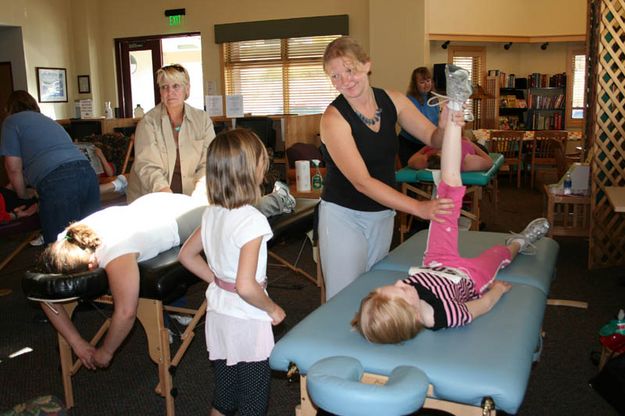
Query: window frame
{"type": "Point", "coordinates": [478, 52]}
{"type": "Point", "coordinates": [573, 51]}
{"type": "Point", "coordinates": [284, 62]}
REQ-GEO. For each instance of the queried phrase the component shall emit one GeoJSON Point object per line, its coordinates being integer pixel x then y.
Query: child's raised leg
{"type": "Point", "coordinates": [443, 237]}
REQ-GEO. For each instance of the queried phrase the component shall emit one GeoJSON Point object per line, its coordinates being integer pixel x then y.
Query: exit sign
{"type": "Point", "coordinates": [175, 16]}
{"type": "Point", "coordinates": [175, 20]}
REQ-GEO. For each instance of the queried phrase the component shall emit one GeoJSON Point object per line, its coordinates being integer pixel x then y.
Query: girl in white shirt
{"type": "Point", "coordinates": [233, 237]}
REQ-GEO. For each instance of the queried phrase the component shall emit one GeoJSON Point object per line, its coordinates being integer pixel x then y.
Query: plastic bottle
{"type": "Point", "coordinates": [108, 111]}
{"type": "Point", "coordinates": [138, 113]}
{"type": "Point", "coordinates": [317, 179]}
{"type": "Point", "coordinates": [567, 185]}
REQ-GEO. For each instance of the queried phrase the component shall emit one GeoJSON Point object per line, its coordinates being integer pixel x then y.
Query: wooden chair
{"type": "Point", "coordinates": [543, 151]}
{"type": "Point", "coordinates": [510, 144]}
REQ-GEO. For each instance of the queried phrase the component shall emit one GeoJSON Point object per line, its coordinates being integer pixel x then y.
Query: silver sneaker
{"type": "Point", "coordinates": [288, 200]}
{"type": "Point", "coordinates": [533, 232]}
{"type": "Point", "coordinates": [459, 87]}
{"type": "Point", "coordinates": [183, 320]}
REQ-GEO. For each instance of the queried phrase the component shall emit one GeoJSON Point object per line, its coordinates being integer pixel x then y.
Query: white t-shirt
{"type": "Point", "coordinates": [147, 226]}
{"type": "Point", "coordinates": [224, 232]}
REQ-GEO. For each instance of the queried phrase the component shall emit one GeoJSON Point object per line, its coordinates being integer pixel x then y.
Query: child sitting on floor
{"type": "Point", "coordinates": [447, 290]}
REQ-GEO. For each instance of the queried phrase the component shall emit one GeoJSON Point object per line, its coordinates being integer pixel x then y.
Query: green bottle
{"type": "Point", "coordinates": [317, 179]}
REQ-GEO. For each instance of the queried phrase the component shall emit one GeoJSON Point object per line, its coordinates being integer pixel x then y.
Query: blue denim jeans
{"type": "Point", "coordinates": [68, 193]}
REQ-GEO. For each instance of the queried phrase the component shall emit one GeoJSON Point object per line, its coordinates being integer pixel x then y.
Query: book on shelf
{"type": "Point", "coordinates": [545, 102]}
{"type": "Point", "coordinates": [543, 121]}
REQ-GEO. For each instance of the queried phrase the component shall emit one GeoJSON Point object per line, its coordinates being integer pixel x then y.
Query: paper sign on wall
{"type": "Point", "coordinates": [214, 105]}
{"type": "Point", "coordinates": [234, 106]}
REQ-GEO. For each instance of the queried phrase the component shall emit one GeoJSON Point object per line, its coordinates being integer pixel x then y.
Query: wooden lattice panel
{"type": "Point", "coordinates": [607, 241]}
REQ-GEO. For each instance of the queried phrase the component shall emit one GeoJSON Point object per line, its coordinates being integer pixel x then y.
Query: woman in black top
{"type": "Point", "coordinates": [359, 198]}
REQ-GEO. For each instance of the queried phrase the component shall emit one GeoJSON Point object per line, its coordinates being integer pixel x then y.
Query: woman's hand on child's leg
{"type": "Point", "coordinates": [434, 209]}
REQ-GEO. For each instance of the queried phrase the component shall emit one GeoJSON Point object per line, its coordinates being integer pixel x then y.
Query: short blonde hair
{"type": "Point", "coordinates": [385, 320]}
{"type": "Point", "coordinates": [236, 162]}
{"type": "Point", "coordinates": [346, 47]}
{"type": "Point", "coordinates": [175, 73]}
{"type": "Point", "coordinates": [73, 253]}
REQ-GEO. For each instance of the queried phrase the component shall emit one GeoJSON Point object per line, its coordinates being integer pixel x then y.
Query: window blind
{"type": "Point", "coordinates": [279, 76]}
{"type": "Point", "coordinates": [579, 86]}
{"type": "Point", "coordinates": [474, 65]}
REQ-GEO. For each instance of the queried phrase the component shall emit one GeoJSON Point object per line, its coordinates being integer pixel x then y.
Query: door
{"type": "Point", "coordinates": [137, 61]}
{"type": "Point", "coordinates": [6, 88]}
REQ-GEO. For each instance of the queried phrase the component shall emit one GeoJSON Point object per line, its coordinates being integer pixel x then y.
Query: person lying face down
{"type": "Point", "coordinates": [446, 290]}
{"type": "Point", "coordinates": [474, 159]}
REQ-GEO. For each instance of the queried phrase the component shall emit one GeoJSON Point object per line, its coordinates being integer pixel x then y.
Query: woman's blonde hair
{"type": "Point", "coordinates": [385, 320]}
{"type": "Point", "coordinates": [175, 73]}
{"type": "Point", "coordinates": [236, 162]}
{"type": "Point", "coordinates": [73, 253]}
{"type": "Point", "coordinates": [346, 47]}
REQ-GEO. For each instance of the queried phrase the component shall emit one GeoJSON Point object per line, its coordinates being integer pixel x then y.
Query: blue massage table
{"type": "Point", "coordinates": [409, 179]}
{"type": "Point", "coordinates": [162, 280]}
{"type": "Point", "coordinates": [476, 368]}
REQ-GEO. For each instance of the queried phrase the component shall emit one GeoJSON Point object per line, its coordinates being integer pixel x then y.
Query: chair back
{"type": "Point", "coordinates": [508, 143]}
{"type": "Point", "coordinates": [262, 126]}
{"type": "Point", "coordinates": [559, 154]}
{"type": "Point", "coordinates": [544, 147]}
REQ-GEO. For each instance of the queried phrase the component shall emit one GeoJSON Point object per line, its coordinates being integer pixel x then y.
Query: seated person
{"type": "Point", "coordinates": [473, 158]}
{"type": "Point", "coordinates": [447, 290]}
{"type": "Point", "coordinates": [109, 182]}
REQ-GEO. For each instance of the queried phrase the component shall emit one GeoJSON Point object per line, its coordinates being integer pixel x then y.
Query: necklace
{"type": "Point", "coordinates": [177, 128]}
{"type": "Point", "coordinates": [369, 121]}
{"type": "Point", "coordinates": [376, 117]}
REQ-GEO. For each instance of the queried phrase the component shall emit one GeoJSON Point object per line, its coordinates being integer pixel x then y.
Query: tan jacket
{"type": "Point", "coordinates": [155, 151]}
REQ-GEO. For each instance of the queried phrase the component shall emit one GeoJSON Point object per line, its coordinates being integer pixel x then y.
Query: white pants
{"type": "Point", "coordinates": [351, 242]}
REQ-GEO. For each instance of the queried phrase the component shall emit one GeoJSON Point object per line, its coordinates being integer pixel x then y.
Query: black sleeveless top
{"type": "Point", "coordinates": [378, 150]}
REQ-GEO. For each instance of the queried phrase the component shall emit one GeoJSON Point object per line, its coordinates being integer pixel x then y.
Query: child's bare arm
{"type": "Point", "coordinates": [108, 170]}
{"type": "Point", "coordinates": [477, 162]}
{"type": "Point", "coordinates": [247, 286]}
{"type": "Point", "coordinates": [418, 161]}
{"type": "Point", "coordinates": [484, 304]}
{"type": "Point", "coordinates": [191, 257]}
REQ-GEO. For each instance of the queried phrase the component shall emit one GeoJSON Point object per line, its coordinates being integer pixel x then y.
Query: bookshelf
{"type": "Point", "coordinates": [533, 103]}
{"type": "Point", "coordinates": [546, 108]}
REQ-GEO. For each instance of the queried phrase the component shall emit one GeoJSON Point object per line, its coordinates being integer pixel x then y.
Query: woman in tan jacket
{"type": "Point", "coordinates": [171, 141]}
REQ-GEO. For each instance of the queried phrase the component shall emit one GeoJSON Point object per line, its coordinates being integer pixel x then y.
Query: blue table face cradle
{"type": "Point", "coordinates": [491, 357]}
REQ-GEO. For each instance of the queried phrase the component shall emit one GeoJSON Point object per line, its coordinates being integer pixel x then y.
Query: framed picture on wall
{"type": "Point", "coordinates": [51, 85]}
{"type": "Point", "coordinates": [84, 85]}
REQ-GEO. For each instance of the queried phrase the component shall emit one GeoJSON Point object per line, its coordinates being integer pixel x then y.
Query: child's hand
{"type": "Point", "coordinates": [22, 211]}
{"type": "Point", "coordinates": [277, 315]}
{"type": "Point", "coordinates": [501, 285]}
